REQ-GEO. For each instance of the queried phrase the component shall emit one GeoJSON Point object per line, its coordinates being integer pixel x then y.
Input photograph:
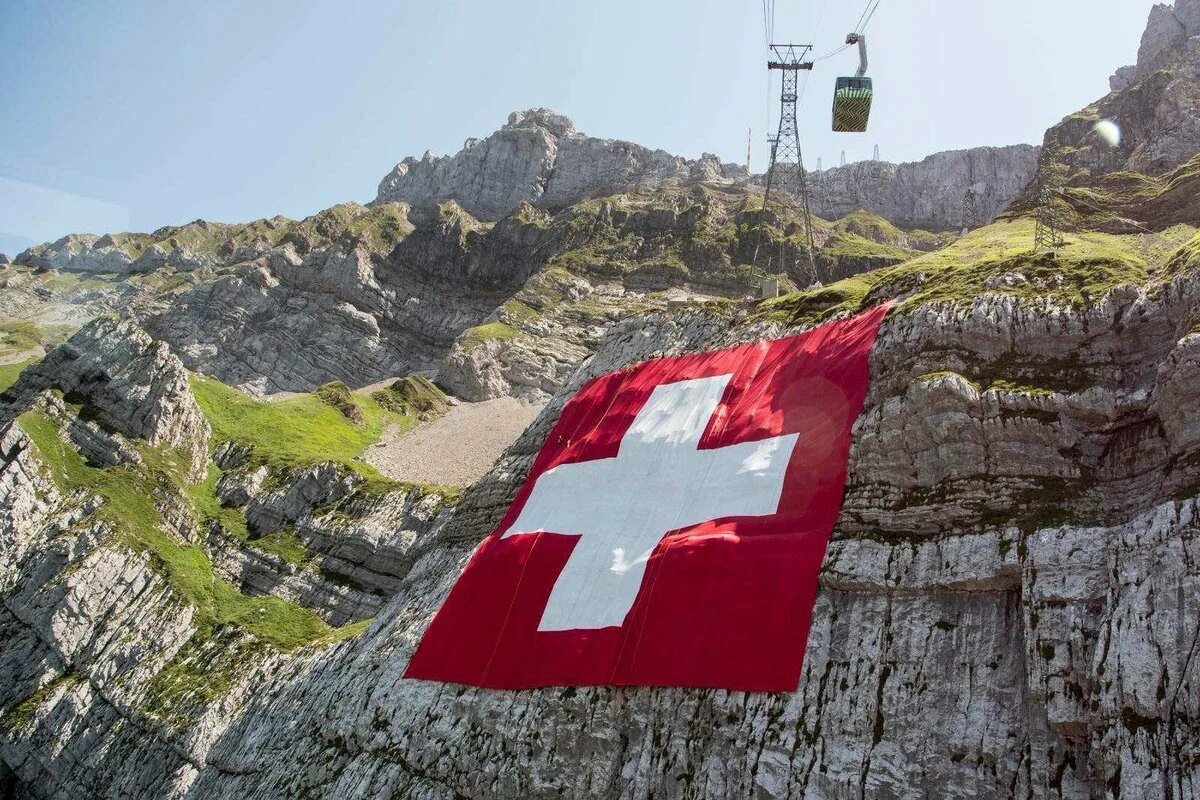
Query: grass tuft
{"type": "Point", "coordinates": [472, 338]}
{"type": "Point", "coordinates": [999, 259]}
{"type": "Point", "coordinates": [10, 372]}
{"type": "Point", "coordinates": [337, 395]}
{"type": "Point", "coordinates": [413, 396]}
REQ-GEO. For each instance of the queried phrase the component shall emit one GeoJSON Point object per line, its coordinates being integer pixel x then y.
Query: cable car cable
{"type": "Point", "coordinates": [863, 25]}
{"type": "Point", "coordinates": [868, 12]}
{"type": "Point", "coordinates": [1061, 192]}
{"type": "Point", "coordinates": [832, 53]}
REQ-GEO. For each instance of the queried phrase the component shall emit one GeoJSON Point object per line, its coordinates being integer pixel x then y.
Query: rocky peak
{"type": "Point", "coordinates": [538, 157]}
{"type": "Point", "coordinates": [129, 383]}
{"type": "Point", "coordinates": [1166, 35]}
{"type": "Point", "coordinates": [1148, 179]}
{"type": "Point", "coordinates": [556, 124]}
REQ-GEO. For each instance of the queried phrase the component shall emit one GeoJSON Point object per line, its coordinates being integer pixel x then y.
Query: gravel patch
{"type": "Point", "coordinates": [456, 449]}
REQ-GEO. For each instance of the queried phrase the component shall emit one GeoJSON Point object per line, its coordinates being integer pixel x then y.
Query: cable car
{"type": "Point", "coordinates": [852, 96]}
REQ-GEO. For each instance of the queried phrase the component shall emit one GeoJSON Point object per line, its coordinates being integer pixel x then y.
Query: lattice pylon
{"type": "Point", "coordinates": [1048, 231]}
{"type": "Point", "coordinates": [786, 176]}
{"type": "Point", "coordinates": [970, 211]}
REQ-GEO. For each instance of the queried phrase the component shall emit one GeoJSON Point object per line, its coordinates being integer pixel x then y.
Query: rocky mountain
{"type": "Point", "coordinates": [1150, 177]}
{"type": "Point", "coordinates": [539, 158]}
{"type": "Point", "coordinates": [452, 271]}
{"type": "Point", "coordinates": [1007, 608]}
{"type": "Point", "coordinates": [206, 594]}
{"type": "Point", "coordinates": [508, 307]}
{"type": "Point", "coordinates": [927, 194]}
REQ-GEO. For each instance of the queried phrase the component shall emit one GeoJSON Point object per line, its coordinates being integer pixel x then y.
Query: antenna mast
{"type": "Point", "coordinates": [786, 175]}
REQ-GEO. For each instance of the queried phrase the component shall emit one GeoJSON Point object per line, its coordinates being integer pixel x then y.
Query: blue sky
{"type": "Point", "coordinates": [140, 114]}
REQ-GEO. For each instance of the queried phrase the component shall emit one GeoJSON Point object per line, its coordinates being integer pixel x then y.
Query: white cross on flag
{"type": "Point", "coordinates": [671, 530]}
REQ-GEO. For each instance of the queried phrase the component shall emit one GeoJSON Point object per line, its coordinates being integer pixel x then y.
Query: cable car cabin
{"type": "Point", "coordinates": [852, 104]}
{"type": "Point", "coordinates": [852, 96]}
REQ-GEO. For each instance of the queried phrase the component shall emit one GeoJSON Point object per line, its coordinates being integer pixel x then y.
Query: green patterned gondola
{"type": "Point", "coordinates": [852, 104]}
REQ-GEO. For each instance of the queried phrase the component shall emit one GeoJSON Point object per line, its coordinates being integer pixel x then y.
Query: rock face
{"type": "Point", "coordinates": [1123, 78]}
{"type": "Point", "coordinates": [112, 253]}
{"type": "Point", "coordinates": [1149, 178]}
{"type": "Point", "coordinates": [125, 624]}
{"type": "Point", "coordinates": [356, 555]}
{"type": "Point", "coordinates": [491, 309]}
{"type": "Point", "coordinates": [1166, 35]}
{"type": "Point", "coordinates": [539, 157]}
{"type": "Point", "coordinates": [1008, 607]}
{"type": "Point", "coordinates": [133, 385]}
{"type": "Point", "coordinates": [928, 194]}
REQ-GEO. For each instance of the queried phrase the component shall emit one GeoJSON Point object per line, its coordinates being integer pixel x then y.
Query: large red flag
{"type": "Point", "coordinates": [671, 530]}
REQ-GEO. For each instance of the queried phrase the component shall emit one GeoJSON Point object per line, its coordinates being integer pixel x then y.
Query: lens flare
{"type": "Point", "coordinates": [1108, 132]}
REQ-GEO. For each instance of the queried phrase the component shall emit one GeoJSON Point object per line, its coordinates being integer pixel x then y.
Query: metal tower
{"type": "Point", "coordinates": [876, 156]}
{"type": "Point", "coordinates": [843, 158]}
{"type": "Point", "coordinates": [786, 175]}
{"type": "Point", "coordinates": [970, 211]}
{"type": "Point", "coordinates": [818, 163]}
{"type": "Point", "coordinates": [1048, 232]}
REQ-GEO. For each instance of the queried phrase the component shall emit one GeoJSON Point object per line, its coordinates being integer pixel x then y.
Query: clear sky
{"type": "Point", "coordinates": [143, 113]}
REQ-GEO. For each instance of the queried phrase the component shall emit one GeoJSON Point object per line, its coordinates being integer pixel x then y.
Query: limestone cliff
{"type": "Point", "coordinates": [208, 595]}
{"type": "Point", "coordinates": [1148, 177]}
{"type": "Point", "coordinates": [1008, 607]}
{"type": "Point", "coordinates": [539, 158]}
{"type": "Point", "coordinates": [927, 194]}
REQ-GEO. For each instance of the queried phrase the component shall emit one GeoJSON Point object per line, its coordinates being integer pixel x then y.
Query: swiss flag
{"type": "Point", "coordinates": [671, 529]}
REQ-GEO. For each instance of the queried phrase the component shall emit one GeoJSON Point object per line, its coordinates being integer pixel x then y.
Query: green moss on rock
{"type": "Point", "coordinates": [475, 337]}
{"type": "Point", "coordinates": [413, 396]}
{"type": "Point", "coordinates": [21, 715]}
{"type": "Point", "coordinates": [817, 305]}
{"type": "Point", "coordinates": [336, 394]}
{"type": "Point", "coordinates": [128, 496]}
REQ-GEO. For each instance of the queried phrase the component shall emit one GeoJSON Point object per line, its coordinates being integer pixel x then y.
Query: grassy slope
{"type": "Point", "coordinates": [296, 432]}
{"type": "Point", "coordinates": [861, 234]}
{"type": "Point", "coordinates": [293, 433]}
{"type": "Point", "coordinates": [10, 372]}
{"type": "Point", "coordinates": [1088, 266]}
{"type": "Point", "coordinates": [287, 434]}
{"type": "Point", "coordinates": [22, 338]}
{"type": "Point", "coordinates": [129, 505]}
